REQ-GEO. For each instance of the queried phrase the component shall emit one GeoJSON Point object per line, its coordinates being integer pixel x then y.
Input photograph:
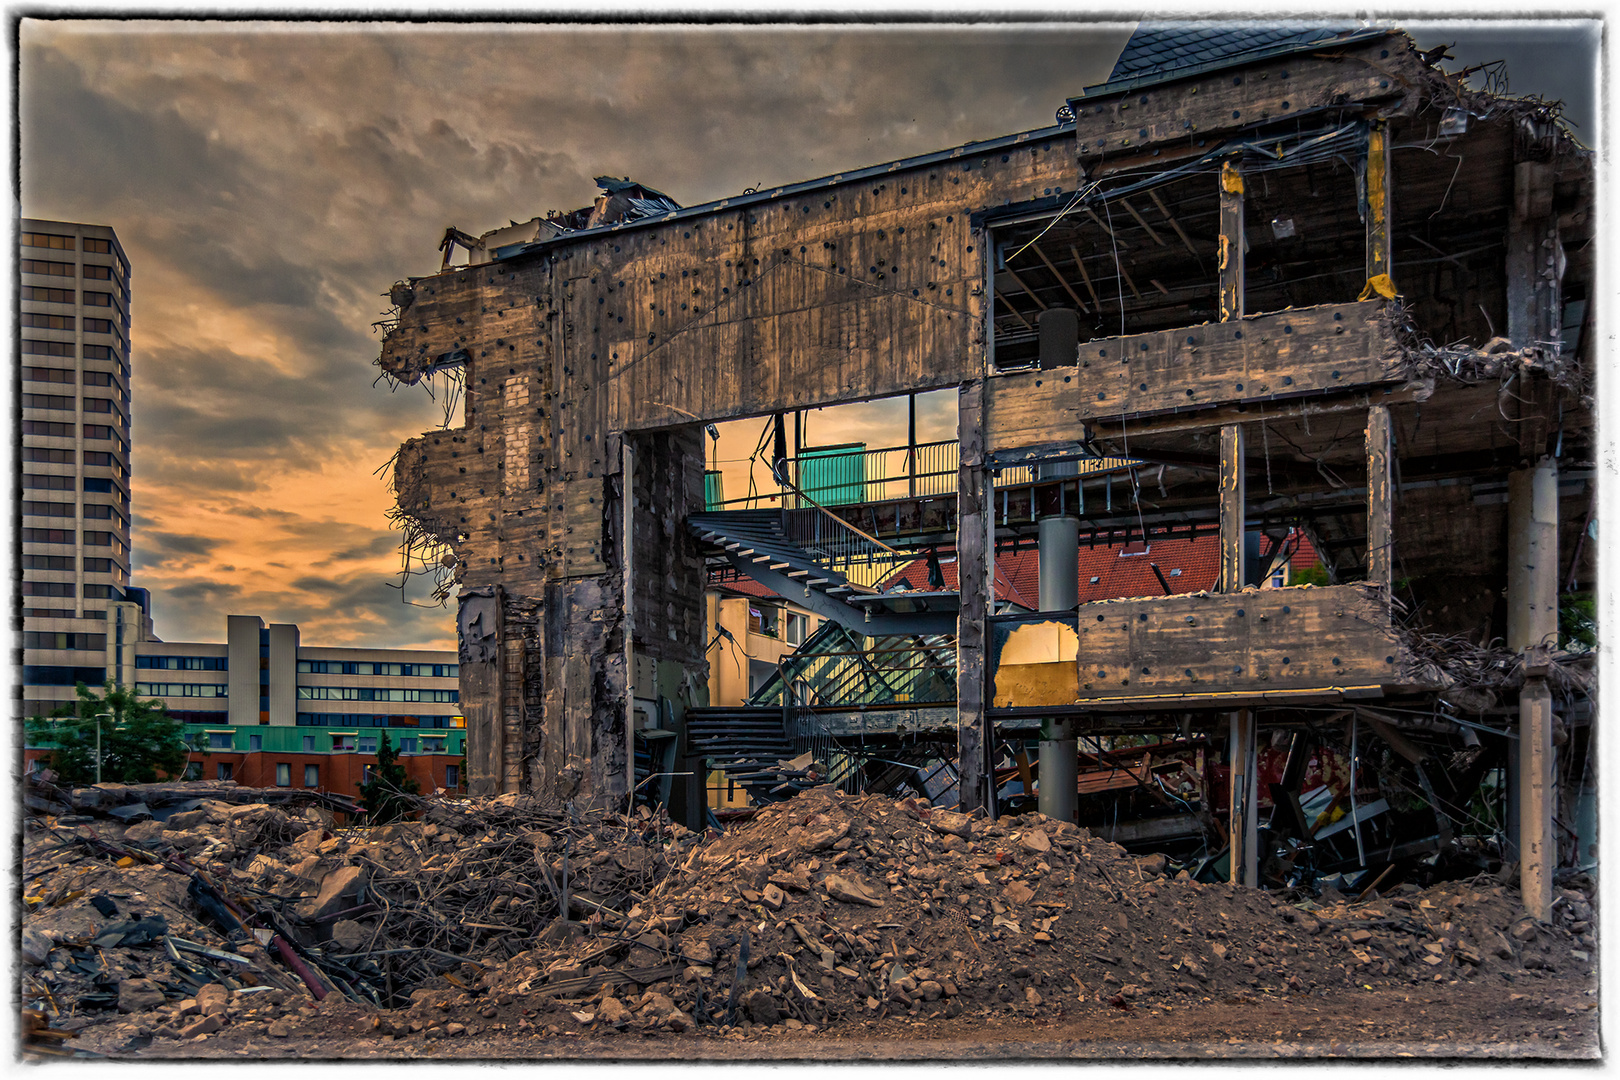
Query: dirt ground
{"type": "Point", "coordinates": [1546, 1018]}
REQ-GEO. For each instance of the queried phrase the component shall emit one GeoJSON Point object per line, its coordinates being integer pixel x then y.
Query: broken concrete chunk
{"type": "Point", "coordinates": [851, 891]}
{"type": "Point", "coordinates": [350, 936]}
{"type": "Point", "coordinates": [773, 897]}
{"type": "Point", "coordinates": [338, 891]}
{"type": "Point", "coordinates": [1018, 893]}
{"type": "Point", "coordinates": [139, 995]}
{"type": "Point", "coordinates": [947, 822]}
{"type": "Point", "coordinates": [1035, 841]}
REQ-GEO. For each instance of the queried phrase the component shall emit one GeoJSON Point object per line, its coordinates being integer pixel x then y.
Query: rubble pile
{"type": "Point", "coordinates": [825, 910]}
{"type": "Point", "coordinates": [282, 908]}
{"type": "Point", "coordinates": [829, 908]}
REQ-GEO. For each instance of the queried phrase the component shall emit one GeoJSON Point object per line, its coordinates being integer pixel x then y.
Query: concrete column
{"type": "Point", "coordinates": [1532, 629]}
{"type": "Point", "coordinates": [284, 643]}
{"type": "Point", "coordinates": [1244, 820]}
{"type": "Point", "coordinates": [1059, 539]}
{"type": "Point", "coordinates": [1059, 591]}
{"type": "Point", "coordinates": [1058, 793]}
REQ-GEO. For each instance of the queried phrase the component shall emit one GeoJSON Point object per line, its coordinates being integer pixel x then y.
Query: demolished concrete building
{"type": "Point", "coordinates": [1314, 283]}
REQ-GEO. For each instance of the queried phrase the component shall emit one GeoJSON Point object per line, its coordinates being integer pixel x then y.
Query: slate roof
{"type": "Point", "coordinates": [1157, 49]}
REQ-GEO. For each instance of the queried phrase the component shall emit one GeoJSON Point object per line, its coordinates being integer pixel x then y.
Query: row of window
{"type": "Point", "coordinates": [70, 563]}
{"type": "Point", "coordinates": [67, 375]}
{"type": "Point", "coordinates": [56, 455]}
{"type": "Point", "coordinates": [49, 675]}
{"type": "Point", "coordinates": [182, 663]}
{"type": "Point", "coordinates": [50, 240]}
{"type": "Point", "coordinates": [45, 639]}
{"type": "Point", "coordinates": [159, 689]}
{"type": "Point", "coordinates": [54, 429]}
{"type": "Point", "coordinates": [35, 347]}
{"type": "Point", "coordinates": [68, 588]}
{"type": "Point", "coordinates": [64, 403]}
{"type": "Point", "coordinates": [377, 667]}
{"type": "Point", "coordinates": [92, 271]}
{"type": "Point", "coordinates": [377, 693]}
{"type": "Point", "coordinates": [91, 510]}
{"type": "Point", "coordinates": [48, 613]}
{"type": "Point", "coordinates": [341, 744]}
{"type": "Point", "coordinates": [69, 536]}
{"type": "Point", "coordinates": [100, 485]}
{"type": "Point", "coordinates": [376, 720]}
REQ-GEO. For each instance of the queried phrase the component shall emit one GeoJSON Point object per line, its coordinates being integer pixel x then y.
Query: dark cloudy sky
{"type": "Point", "coordinates": [270, 181]}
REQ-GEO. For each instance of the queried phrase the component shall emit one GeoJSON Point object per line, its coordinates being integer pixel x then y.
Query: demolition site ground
{"type": "Point", "coordinates": [830, 927]}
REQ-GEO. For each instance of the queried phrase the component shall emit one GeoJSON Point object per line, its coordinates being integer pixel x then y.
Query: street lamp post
{"type": "Point", "coordinates": [99, 718]}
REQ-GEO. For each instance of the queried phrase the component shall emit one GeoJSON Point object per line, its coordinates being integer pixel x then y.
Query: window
{"type": "Point", "coordinates": [368, 744]}
{"type": "Point", "coordinates": [194, 770]}
{"type": "Point", "coordinates": [43, 266]}
{"type": "Point", "coordinates": [283, 774]}
{"type": "Point", "coordinates": [102, 592]}
{"type": "Point", "coordinates": [101, 458]}
{"type": "Point", "coordinates": [101, 510]}
{"type": "Point", "coordinates": [95, 431]}
{"type": "Point", "coordinates": [312, 775]}
{"type": "Point", "coordinates": [49, 562]}
{"type": "Point", "coordinates": [221, 740]}
{"type": "Point", "coordinates": [99, 352]}
{"type": "Point", "coordinates": [365, 774]}
{"type": "Point", "coordinates": [50, 240]}
{"type": "Point", "coordinates": [48, 536]}
{"type": "Point", "coordinates": [47, 401]}
{"type": "Point", "coordinates": [309, 747]}
{"type": "Point", "coordinates": [183, 663]}
{"type": "Point", "coordinates": [433, 746]}
{"type": "Point", "coordinates": [97, 326]}
{"type": "Point", "coordinates": [796, 625]}
{"type": "Point", "coordinates": [94, 404]}
{"type": "Point", "coordinates": [50, 429]}
{"type": "Point", "coordinates": [224, 770]}
{"type": "Point", "coordinates": [47, 322]}
{"type": "Point", "coordinates": [48, 613]}
{"type": "Point", "coordinates": [47, 509]}
{"type": "Point", "coordinates": [450, 776]}
{"type": "Point", "coordinates": [98, 247]}
{"type": "Point", "coordinates": [100, 539]}
{"type": "Point", "coordinates": [48, 454]}
{"type": "Point", "coordinates": [102, 566]}
{"type": "Point", "coordinates": [175, 689]}
{"type": "Point", "coordinates": [50, 296]}
{"type": "Point", "coordinates": [343, 744]}
{"type": "Point", "coordinates": [49, 588]}
{"type": "Point", "coordinates": [407, 746]}
{"type": "Point", "coordinates": [48, 374]}
{"type": "Point", "coordinates": [97, 299]}
{"type": "Point", "coordinates": [255, 742]}
{"type": "Point", "coordinates": [50, 483]}
{"type": "Point", "coordinates": [98, 273]}
{"type": "Point", "coordinates": [762, 619]}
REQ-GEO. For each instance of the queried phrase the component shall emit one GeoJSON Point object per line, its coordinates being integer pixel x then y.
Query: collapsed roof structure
{"type": "Point", "coordinates": [1301, 280]}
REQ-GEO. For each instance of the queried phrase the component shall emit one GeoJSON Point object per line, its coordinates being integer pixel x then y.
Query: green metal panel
{"type": "Point", "coordinates": [289, 739]}
{"type": "Point", "coordinates": [714, 491]}
{"type": "Point", "coordinates": [833, 475]}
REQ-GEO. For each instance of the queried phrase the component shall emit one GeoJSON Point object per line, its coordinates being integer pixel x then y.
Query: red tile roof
{"type": "Point", "coordinates": [1189, 564]}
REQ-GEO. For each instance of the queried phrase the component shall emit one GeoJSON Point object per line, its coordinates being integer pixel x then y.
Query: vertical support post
{"type": "Point", "coordinates": [1231, 251]}
{"type": "Point", "coordinates": [1244, 818]}
{"type": "Point", "coordinates": [627, 555]}
{"type": "Point", "coordinates": [1533, 631]}
{"type": "Point", "coordinates": [1059, 540]}
{"type": "Point", "coordinates": [911, 444]}
{"type": "Point", "coordinates": [975, 557]}
{"type": "Point", "coordinates": [1380, 533]}
{"type": "Point", "coordinates": [1232, 502]}
{"type": "Point", "coordinates": [480, 627]}
{"type": "Point", "coordinates": [1535, 260]}
{"type": "Point", "coordinates": [1379, 243]}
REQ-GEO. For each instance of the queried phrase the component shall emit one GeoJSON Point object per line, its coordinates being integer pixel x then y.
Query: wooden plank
{"type": "Point", "coordinates": [483, 708]}
{"type": "Point", "coordinates": [1080, 264]}
{"type": "Point", "coordinates": [975, 552]}
{"type": "Point", "coordinates": [1233, 492]}
{"type": "Point", "coordinates": [1379, 214]}
{"type": "Point", "coordinates": [1205, 645]}
{"type": "Point", "coordinates": [1174, 224]}
{"type": "Point", "coordinates": [1230, 259]}
{"type": "Point", "coordinates": [1061, 280]}
{"type": "Point", "coordinates": [1380, 527]}
{"type": "Point", "coordinates": [1332, 347]}
{"type": "Point", "coordinates": [1244, 800]}
{"type": "Point", "coordinates": [1140, 220]}
{"type": "Point", "coordinates": [1022, 284]}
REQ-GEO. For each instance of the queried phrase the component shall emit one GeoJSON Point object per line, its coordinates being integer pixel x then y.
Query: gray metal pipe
{"type": "Point", "coordinates": [1059, 539]}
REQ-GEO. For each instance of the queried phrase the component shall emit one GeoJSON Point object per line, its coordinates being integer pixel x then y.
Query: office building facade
{"type": "Point", "coordinates": [78, 608]}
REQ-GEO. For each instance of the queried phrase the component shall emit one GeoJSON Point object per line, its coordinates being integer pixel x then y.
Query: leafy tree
{"type": "Point", "coordinates": [140, 742]}
{"type": "Point", "coordinates": [385, 793]}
